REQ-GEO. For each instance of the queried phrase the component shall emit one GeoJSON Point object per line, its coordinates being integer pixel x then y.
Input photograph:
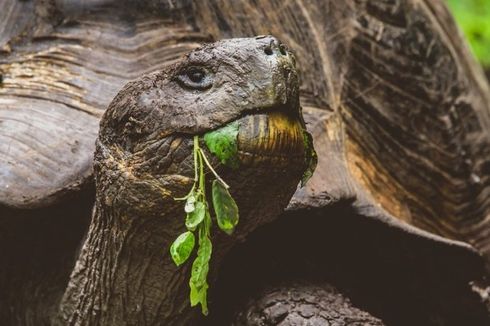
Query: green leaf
{"type": "Point", "coordinates": [196, 216]}
{"type": "Point", "coordinates": [199, 273]}
{"type": "Point", "coordinates": [311, 158]}
{"type": "Point", "coordinates": [225, 208]}
{"type": "Point", "coordinates": [190, 203]}
{"type": "Point", "coordinates": [199, 296]}
{"type": "Point", "coordinates": [182, 247]}
{"type": "Point", "coordinates": [200, 265]}
{"type": "Point", "coordinates": [223, 143]}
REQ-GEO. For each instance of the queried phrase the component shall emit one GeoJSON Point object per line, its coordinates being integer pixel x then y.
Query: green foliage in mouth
{"type": "Point", "coordinates": [223, 143]}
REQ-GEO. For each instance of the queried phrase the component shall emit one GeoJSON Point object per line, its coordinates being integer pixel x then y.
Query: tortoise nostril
{"type": "Point", "coordinates": [274, 46]}
{"type": "Point", "coordinates": [268, 50]}
{"type": "Point", "coordinates": [283, 49]}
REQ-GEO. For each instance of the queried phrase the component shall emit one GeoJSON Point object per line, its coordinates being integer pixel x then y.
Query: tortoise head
{"type": "Point", "coordinates": [144, 151]}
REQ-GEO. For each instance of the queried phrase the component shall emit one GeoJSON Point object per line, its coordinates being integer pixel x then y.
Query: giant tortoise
{"type": "Point", "coordinates": [392, 228]}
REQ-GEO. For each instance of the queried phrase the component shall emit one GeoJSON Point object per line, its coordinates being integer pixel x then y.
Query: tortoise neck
{"type": "Point", "coordinates": [124, 275]}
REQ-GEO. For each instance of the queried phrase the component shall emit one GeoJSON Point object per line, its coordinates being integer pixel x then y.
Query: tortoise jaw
{"type": "Point", "coordinates": [271, 138]}
{"type": "Point", "coordinates": [272, 134]}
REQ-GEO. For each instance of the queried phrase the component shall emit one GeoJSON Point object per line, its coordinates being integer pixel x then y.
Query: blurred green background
{"type": "Point", "coordinates": [473, 16]}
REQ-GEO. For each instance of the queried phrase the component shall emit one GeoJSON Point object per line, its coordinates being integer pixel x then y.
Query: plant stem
{"type": "Point", "coordinates": [202, 177]}
{"type": "Point", "coordinates": [212, 170]}
{"type": "Point", "coordinates": [196, 148]}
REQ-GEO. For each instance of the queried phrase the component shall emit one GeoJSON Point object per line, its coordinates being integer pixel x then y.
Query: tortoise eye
{"type": "Point", "coordinates": [195, 77]}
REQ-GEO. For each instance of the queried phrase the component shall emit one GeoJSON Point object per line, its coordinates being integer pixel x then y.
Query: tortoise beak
{"type": "Point", "coordinates": [273, 138]}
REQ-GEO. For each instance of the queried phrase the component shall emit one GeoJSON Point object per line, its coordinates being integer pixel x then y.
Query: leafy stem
{"type": "Point", "coordinates": [198, 218]}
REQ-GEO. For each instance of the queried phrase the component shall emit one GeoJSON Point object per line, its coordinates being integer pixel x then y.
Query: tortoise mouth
{"type": "Point", "coordinates": [270, 137]}
{"type": "Point", "coordinates": [267, 136]}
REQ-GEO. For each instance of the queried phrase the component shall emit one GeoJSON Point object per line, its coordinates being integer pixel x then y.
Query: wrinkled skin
{"type": "Point", "coordinates": [381, 80]}
{"type": "Point", "coordinates": [150, 124]}
{"type": "Point", "coordinates": [144, 160]}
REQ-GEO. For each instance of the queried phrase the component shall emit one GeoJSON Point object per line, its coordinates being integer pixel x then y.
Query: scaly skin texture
{"type": "Point", "coordinates": [303, 304]}
{"type": "Point", "coordinates": [372, 75]}
{"type": "Point", "coordinates": [143, 160]}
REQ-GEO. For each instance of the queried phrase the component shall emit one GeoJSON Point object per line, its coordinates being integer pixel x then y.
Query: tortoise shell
{"type": "Point", "coordinates": [390, 83]}
{"type": "Point", "coordinates": [398, 108]}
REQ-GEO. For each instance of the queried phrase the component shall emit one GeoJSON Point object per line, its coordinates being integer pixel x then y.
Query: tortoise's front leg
{"type": "Point", "coordinates": [303, 304]}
